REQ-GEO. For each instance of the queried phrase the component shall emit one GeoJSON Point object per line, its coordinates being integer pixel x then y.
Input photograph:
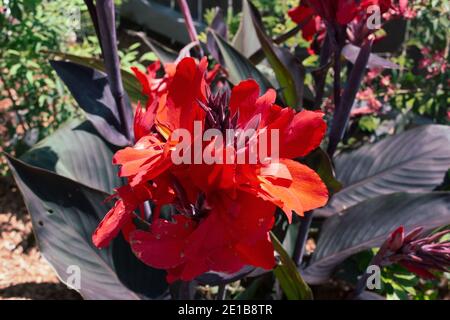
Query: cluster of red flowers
{"type": "Point", "coordinates": [209, 217]}
{"type": "Point", "coordinates": [367, 102]}
{"type": "Point", "coordinates": [316, 15]}
{"type": "Point", "coordinates": [435, 63]}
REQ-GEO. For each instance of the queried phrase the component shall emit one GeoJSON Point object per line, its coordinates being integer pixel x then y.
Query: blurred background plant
{"type": "Point", "coordinates": [417, 93]}
{"type": "Point", "coordinates": [33, 101]}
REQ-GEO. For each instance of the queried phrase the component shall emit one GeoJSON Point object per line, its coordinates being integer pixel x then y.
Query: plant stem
{"type": "Point", "coordinates": [184, 7]}
{"type": "Point", "coordinates": [302, 236]}
{"type": "Point", "coordinates": [93, 14]}
{"type": "Point", "coordinates": [325, 53]}
{"type": "Point", "coordinates": [288, 34]}
{"type": "Point", "coordinates": [342, 113]}
{"type": "Point", "coordinates": [222, 292]}
{"type": "Point", "coordinates": [337, 78]}
{"type": "Point", "coordinates": [106, 23]}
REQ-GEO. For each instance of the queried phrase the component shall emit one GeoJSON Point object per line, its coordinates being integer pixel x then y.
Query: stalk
{"type": "Point", "coordinates": [189, 23]}
{"type": "Point", "coordinates": [108, 39]}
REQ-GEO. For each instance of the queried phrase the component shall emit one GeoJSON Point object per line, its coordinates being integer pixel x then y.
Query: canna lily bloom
{"type": "Point", "coordinates": [286, 183]}
{"type": "Point", "coordinates": [154, 88]}
{"type": "Point", "coordinates": [225, 238]}
{"type": "Point", "coordinates": [213, 216]}
{"type": "Point", "coordinates": [149, 158]}
{"type": "Point", "coordinates": [312, 14]}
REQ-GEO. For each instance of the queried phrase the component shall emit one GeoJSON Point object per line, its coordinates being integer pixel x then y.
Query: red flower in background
{"type": "Point", "coordinates": [210, 217]}
{"type": "Point", "coordinates": [316, 16]}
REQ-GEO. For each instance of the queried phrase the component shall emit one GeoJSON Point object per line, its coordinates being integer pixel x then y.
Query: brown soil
{"type": "Point", "coordinates": [24, 274]}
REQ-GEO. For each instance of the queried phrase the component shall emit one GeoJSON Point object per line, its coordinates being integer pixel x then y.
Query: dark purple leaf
{"type": "Point", "coordinates": [351, 52]}
{"type": "Point", "coordinates": [246, 41]}
{"type": "Point", "coordinates": [238, 66]}
{"type": "Point", "coordinates": [219, 278]}
{"type": "Point", "coordinates": [64, 214]}
{"type": "Point", "coordinates": [369, 223]}
{"type": "Point", "coordinates": [76, 151]}
{"type": "Point", "coordinates": [413, 161]}
{"type": "Point", "coordinates": [93, 94]}
{"type": "Point", "coordinates": [395, 34]}
{"type": "Point", "coordinates": [220, 27]}
{"type": "Point", "coordinates": [288, 69]}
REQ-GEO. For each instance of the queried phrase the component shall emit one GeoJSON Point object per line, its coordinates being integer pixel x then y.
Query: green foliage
{"type": "Point", "coordinates": [34, 101]}
{"type": "Point", "coordinates": [369, 123]}
{"type": "Point", "coordinates": [423, 92]}
{"type": "Point", "coordinates": [274, 16]}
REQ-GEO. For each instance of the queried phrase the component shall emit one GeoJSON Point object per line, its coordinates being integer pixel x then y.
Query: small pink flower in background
{"type": "Point", "coordinates": [434, 63]}
{"type": "Point", "coordinates": [368, 101]}
{"type": "Point", "coordinates": [401, 9]}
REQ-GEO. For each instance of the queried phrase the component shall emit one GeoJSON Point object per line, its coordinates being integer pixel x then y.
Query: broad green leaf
{"type": "Point", "coordinates": [287, 274]}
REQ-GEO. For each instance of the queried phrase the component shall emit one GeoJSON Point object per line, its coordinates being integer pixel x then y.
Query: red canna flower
{"type": "Point", "coordinates": [316, 16]}
{"type": "Point", "coordinates": [232, 234]}
{"type": "Point", "coordinates": [212, 216]}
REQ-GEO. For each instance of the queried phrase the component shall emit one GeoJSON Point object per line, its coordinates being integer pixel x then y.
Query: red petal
{"type": "Point", "coordinates": [144, 120]}
{"type": "Point", "coordinates": [302, 135]}
{"type": "Point", "coordinates": [346, 11]}
{"type": "Point", "coordinates": [300, 14]}
{"type": "Point", "coordinates": [187, 85]}
{"type": "Point", "coordinates": [310, 29]}
{"type": "Point", "coordinates": [111, 224]}
{"type": "Point", "coordinates": [258, 254]}
{"type": "Point", "coordinates": [143, 79]}
{"type": "Point", "coordinates": [304, 193]}
{"type": "Point", "coordinates": [163, 247]}
{"type": "Point", "coordinates": [243, 99]}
